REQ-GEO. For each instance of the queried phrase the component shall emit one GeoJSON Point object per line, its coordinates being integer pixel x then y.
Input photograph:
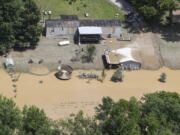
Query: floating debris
{"type": "Point", "coordinates": [88, 75]}
{"type": "Point", "coordinates": [14, 85]}
{"type": "Point", "coordinates": [64, 72]}
{"type": "Point", "coordinates": [41, 81]}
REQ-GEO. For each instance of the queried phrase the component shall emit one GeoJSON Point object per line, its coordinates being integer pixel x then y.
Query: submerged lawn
{"type": "Point", "coordinates": [98, 9]}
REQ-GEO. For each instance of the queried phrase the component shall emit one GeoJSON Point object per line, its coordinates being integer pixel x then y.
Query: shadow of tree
{"type": "Point", "coordinates": [131, 29]}
{"type": "Point", "coordinates": [171, 33]}
{"type": "Point", "coordinates": [168, 33]}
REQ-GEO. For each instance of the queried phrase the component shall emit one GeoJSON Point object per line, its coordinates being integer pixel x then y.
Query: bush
{"type": "Point", "coordinates": [89, 56]}
{"type": "Point", "coordinates": [162, 77]}
{"type": "Point", "coordinates": [117, 76]}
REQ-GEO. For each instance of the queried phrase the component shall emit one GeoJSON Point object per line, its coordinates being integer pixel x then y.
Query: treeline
{"type": "Point", "coordinates": [156, 11]}
{"type": "Point", "coordinates": [19, 26]}
{"type": "Point", "coordinates": [155, 114]}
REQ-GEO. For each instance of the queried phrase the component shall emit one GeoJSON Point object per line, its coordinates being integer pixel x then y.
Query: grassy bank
{"type": "Point", "coordinates": [99, 9]}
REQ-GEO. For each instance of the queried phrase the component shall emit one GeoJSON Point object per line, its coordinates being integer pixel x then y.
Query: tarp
{"type": "Point", "coordinates": [90, 30]}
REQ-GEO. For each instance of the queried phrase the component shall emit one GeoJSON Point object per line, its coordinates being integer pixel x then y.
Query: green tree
{"type": "Point", "coordinates": [89, 54]}
{"type": "Point", "coordinates": [155, 114]}
{"type": "Point", "coordinates": [91, 51]}
{"type": "Point", "coordinates": [9, 10]}
{"type": "Point", "coordinates": [103, 110]}
{"type": "Point", "coordinates": [161, 114]}
{"type": "Point", "coordinates": [117, 76]}
{"type": "Point", "coordinates": [169, 6]}
{"type": "Point", "coordinates": [29, 30]}
{"type": "Point", "coordinates": [78, 125]}
{"type": "Point", "coordinates": [10, 117]}
{"type": "Point", "coordinates": [155, 10]}
{"type": "Point", "coordinates": [162, 77]}
{"type": "Point", "coordinates": [121, 118]}
{"type": "Point", "coordinates": [149, 12]}
{"type": "Point", "coordinates": [35, 122]}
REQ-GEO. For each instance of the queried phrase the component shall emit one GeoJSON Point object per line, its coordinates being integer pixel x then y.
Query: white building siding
{"type": "Point", "coordinates": [60, 31]}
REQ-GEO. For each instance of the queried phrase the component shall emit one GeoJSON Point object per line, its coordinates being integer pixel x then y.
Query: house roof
{"type": "Point", "coordinates": [89, 30]}
{"type": "Point", "coordinates": [100, 23]}
{"type": "Point", "coordinates": [59, 22]}
{"type": "Point", "coordinates": [69, 17]}
{"type": "Point", "coordinates": [120, 55]}
{"type": "Point", "coordinates": [82, 22]}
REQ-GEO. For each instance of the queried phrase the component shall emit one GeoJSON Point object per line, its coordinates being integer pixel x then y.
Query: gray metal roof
{"type": "Point", "coordinates": [69, 17]}
{"type": "Point", "coordinates": [100, 23]}
{"type": "Point", "coordinates": [90, 30]}
{"type": "Point", "coordinates": [59, 22]}
{"type": "Point", "coordinates": [84, 22]}
{"type": "Point", "coordinates": [53, 22]}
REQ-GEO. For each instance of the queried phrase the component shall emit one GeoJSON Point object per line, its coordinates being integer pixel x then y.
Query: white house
{"type": "Point", "coordinates": [123, 58]}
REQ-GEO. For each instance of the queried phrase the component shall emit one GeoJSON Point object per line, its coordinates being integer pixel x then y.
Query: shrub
{"type": "Point", "coordinates": [117, 76]}
{"type": "Point", "coordinates": [162, 77]}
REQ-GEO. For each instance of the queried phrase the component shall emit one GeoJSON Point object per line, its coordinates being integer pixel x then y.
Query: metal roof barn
{"type": "Point", "coordinates": [90, 30]}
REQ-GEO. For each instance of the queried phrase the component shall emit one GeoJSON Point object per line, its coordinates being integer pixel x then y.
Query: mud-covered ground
{"type": "Point", "coordinates": [153, 50]}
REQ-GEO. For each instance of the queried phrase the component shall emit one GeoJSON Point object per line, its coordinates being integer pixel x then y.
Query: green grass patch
{"type": "Point", "coordinates": [97, 9]}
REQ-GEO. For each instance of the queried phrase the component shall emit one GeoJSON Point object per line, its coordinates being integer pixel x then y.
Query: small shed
{"type": "Point", "coordinates": [9, 64]}
{"type": "Point", "coordinates": [89, 34]}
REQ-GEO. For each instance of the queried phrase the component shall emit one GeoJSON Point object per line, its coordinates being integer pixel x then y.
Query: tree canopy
{"type": "Point", "coordinates": [18, 24]}
{"type": "Point", "coordinates": [10, 117]}
{"type": "Point", "coordinates": [156, 10]}
{"type": "Point", "coordinates": [78, 125]}
{"type": "Point", "coordinates": [35, 122]}
{"type": "Point", "coordinates": [161, 113]}
{"type": "Point", "coordinates": [155, 114]}
{"type": "Point", "coordinates": [8, 18]}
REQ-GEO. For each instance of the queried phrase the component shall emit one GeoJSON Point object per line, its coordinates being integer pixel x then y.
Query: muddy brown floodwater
{"type": "Point", "coordinates": [61, 98]}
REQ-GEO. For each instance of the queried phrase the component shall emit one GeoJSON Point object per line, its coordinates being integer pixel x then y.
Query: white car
{"type": "Point", "coordinates": [63, 43]}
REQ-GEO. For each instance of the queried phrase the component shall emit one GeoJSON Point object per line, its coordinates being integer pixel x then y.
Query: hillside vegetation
{"type": "Point", "coordinates": [99, 9]}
